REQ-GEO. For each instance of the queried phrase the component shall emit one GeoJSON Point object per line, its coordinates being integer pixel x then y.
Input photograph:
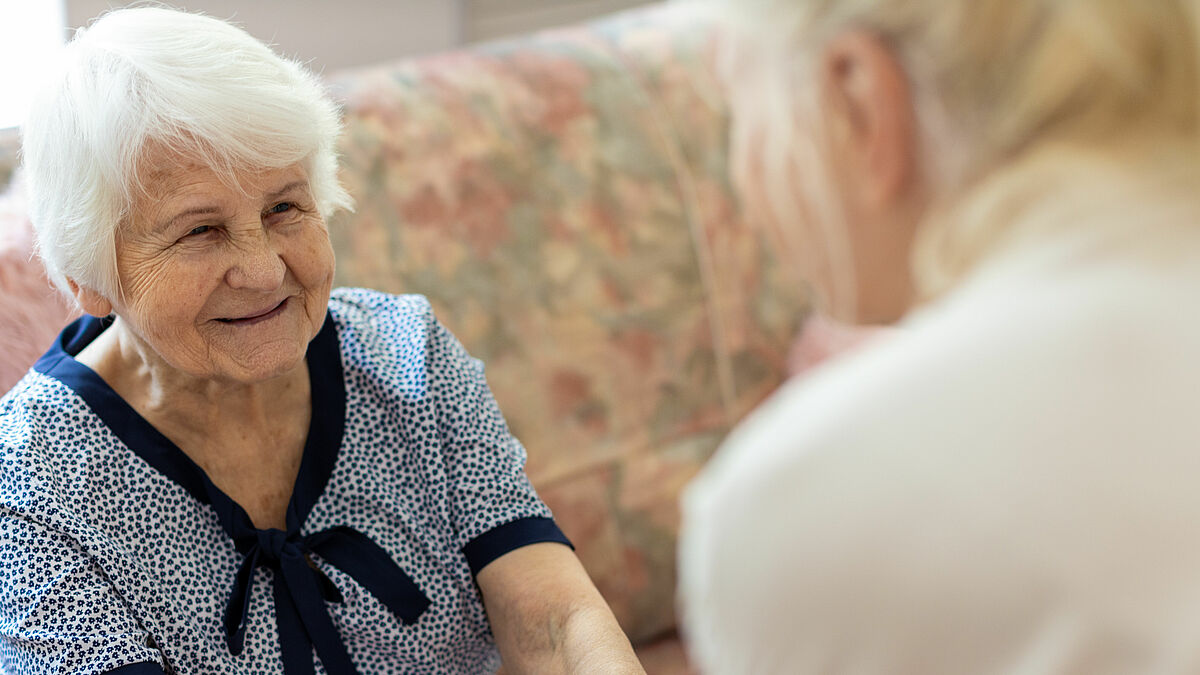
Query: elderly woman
{"type": "Point", "coordinates": [1008, 485]}
{"type": "Point", "coordinates": [225, 468]}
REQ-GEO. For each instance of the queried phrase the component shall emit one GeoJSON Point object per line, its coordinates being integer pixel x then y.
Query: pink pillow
{"type": "Point", "coordinates": [31, 310]}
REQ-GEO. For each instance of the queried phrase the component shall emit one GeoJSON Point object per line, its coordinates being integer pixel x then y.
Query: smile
{"type": "Point", "coordinates": [258, 318]}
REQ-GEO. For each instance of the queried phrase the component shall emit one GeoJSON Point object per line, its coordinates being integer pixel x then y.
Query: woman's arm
{"type": "Point", "coordinates": [60, 610]}
{"type": "Point", "coordinates": [548, 617]}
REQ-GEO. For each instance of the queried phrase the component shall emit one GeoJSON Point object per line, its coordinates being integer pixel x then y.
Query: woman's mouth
{"type": "Point", "coordinates": [258, 317]}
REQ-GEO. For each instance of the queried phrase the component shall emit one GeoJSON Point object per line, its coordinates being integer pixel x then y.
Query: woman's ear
{"type": "Point", "coordinates": [89, 300]}
{"type": "Point", "coordinates": [868, 107]}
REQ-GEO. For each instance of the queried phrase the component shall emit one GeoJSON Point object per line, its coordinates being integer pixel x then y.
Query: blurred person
{"type": "Point", "coordinates": [1007, 485]}
{"type": "Point", "coordinates": [228, 467]}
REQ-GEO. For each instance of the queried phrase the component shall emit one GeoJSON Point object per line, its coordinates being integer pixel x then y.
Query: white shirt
{"type": "Point", "coordinates": [1009, 485]}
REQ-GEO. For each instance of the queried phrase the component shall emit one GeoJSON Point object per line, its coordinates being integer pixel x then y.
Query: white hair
{"type": "Point", "coordinates": [188, 83]}
{"type": "Point", "coordinates": [1003, 90]}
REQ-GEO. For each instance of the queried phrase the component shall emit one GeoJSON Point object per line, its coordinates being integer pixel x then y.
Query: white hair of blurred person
{"type": "Point", "coordinates": [1007, 97]}
{"type": "Point", "coordinates": [150, 78]}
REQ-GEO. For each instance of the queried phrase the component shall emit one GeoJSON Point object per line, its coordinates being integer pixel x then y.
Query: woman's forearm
{"type": "Point", "coordinates": [548, 617]}
{"type": "Point", "coordinates": [588, 640]}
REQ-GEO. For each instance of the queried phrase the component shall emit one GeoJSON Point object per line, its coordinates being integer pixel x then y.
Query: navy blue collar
{"type": "Point", "coordinates": [320, 448]}
{"type": "Point", "coordinates": [300, 590]}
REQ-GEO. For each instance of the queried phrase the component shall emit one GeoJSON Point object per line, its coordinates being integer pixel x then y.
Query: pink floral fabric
{"type": "Point", "coordinates": [564, 201]}
{"type": "Point", "coordinates": [31, 310]}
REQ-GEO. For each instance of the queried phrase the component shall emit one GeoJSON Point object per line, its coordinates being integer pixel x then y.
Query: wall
{"type": "Point", "coordinates": [331, 35]}
{"type": "Point", "coordinates": [327, 35]}
{"type": "Point", "coordinates": [487, 19]}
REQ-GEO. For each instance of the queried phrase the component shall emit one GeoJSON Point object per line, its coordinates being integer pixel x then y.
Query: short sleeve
{"type": "Point", "coordinates": [494, 507]}
{"type": "Point", "coordinates": [59, 612]}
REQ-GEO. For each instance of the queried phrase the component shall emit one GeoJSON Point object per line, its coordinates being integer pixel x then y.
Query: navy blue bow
{"type": "Point", "coordinates": [301, 591]}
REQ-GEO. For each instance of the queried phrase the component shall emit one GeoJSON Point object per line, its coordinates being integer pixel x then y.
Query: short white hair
{"type": "Point", "coordinates": [189, 83]}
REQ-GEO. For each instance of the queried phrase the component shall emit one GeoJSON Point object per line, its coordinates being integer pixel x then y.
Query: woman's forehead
{"type": "Point", "coordinates": [165, 173]}
{"type": "Point", "coordinates": [169, 189]}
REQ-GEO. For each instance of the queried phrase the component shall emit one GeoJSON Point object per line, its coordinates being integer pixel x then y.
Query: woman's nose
{"type": "Point", "coordinates": [256, 264]}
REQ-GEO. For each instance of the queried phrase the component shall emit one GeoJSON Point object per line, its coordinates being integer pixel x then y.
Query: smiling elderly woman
{"type": "Point", "coordinates": [226, 468]}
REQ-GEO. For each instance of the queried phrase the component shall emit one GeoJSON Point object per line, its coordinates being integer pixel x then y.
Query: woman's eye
{"type": "Point", "coordinates": [200, 229]}
{"type": "Point", "coordinates": [283, 213]}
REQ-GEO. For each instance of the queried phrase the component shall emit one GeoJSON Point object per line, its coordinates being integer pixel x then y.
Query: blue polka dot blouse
{"type": "Point", "coordinates": [118, 555]}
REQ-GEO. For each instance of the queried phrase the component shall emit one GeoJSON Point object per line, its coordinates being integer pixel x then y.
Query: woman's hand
{"type": "Point", "coordinates": [548, 617]}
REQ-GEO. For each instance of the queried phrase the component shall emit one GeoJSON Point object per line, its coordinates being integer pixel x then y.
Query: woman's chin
{"type": "Point", "coordinates": [262, 350]}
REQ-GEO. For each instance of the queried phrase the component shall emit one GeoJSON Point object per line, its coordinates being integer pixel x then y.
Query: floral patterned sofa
{"type": "Point", "coordinates": [563, 199]}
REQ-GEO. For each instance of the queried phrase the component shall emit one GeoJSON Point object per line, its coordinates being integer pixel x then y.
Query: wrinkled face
{"type": "Point", "coordinates": [224, 283]}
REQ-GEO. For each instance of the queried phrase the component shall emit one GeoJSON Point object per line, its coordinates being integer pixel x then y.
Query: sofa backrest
{"type": "Point", "coordinates": [33, 310]}
{"type": "Point", "coordinates": [10, 142]}
{"type": "Point", "coordinates": [564, 201]}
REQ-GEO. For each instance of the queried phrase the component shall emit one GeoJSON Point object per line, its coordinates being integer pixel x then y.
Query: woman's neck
{"type": "Point", "coordinates": [239, 433]}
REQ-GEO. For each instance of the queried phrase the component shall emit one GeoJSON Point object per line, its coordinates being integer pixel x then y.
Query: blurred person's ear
{"type": "Point", "coordinates": [869, 131]}
{"type": "Point", "coordinates": [868, 106]}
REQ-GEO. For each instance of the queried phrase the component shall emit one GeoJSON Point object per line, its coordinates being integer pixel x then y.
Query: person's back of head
{"type": "Point", "coordinates": [1001, 90]}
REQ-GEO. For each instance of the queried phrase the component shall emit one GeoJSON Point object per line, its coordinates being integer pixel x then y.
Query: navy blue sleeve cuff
{"type": "Point", "coordinates": [509, 537]}
{"type": "Point", "coordinates": [138, 669]}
